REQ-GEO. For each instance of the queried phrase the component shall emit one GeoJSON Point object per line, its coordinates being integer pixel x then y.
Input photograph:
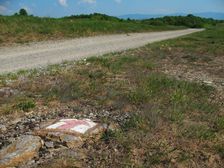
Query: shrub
{"type": "Point", "coordinates": [188, 21]}
{"type": "Point", "coordinates": [23, 12]}
{"type": "Point", "coordinates": [26, 105]}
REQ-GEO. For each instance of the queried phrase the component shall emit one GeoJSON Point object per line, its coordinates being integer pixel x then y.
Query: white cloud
{"type": "Point", "coordinates": [118, 1]}
{"type": "Point", "coordinates": [63, 3]}
{"type": "Point", "coordinates": [88, 1]}
{"type": "Point", "coordinates": [94, 1]}
{"type": "Point", "coordinates": [3, 9]}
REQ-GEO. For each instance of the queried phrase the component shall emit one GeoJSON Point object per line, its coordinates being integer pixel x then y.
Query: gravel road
{"type": "Point", "coordinates": [40, 54]}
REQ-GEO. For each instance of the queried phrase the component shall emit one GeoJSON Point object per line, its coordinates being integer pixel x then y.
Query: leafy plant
{"type": "Point", "coordinates": [23, 12]}
{"type": "Point", "coordinates": [26, 105]}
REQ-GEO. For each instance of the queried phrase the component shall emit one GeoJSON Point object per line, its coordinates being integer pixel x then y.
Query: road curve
{"type": "Point", "coordinates": [40, 54]}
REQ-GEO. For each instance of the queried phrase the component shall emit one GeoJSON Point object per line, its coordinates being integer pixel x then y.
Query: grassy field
{"type": "Point", "coordinates": [175, 120]}
{"type": "Point", "coordinates": [23, 29]}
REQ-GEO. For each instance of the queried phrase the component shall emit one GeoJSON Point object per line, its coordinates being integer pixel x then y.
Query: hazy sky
{"type": "Point", "coordinates": [57, 8]}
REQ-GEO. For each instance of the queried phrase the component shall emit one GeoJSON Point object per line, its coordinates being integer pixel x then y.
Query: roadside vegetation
{"type": "Point", "coordinates": [188, 21]}
{"type": "Point", "coordinates": [174, 119]}
{"type": "Point", "coordinates": [23, 28]}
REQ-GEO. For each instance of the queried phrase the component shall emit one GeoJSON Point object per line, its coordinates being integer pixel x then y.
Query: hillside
{"type": "Point", "coordinates": [187, 21]}
{"type": "Point", "coordinates": [213, 15]}
{"type": "Point", "coordinates": [23, 29]}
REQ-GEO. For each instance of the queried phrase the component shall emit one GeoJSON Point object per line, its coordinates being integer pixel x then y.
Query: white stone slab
{"type": "Point", "coordinates": [73, 125]}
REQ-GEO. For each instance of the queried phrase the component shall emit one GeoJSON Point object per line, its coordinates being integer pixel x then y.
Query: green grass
{"type": "Point", "coordinates": [23, 29]}
{"type": "Point", "coordinates": [114, 65]}
{"type": "Point", "coordinates": [220, 150]}
{"type": "Point", "coordinates": [181, 96]}
{"type": "Point", "coordinates": [26, 105]}
{"type": "Point", "coordinates": [198, 132]}
{"type": "Point", "coordinates": [180, 110]}
{"type": "Point", "coordinates": [209, 44]}
{"type": "Point", "coordinates": [220, 123]}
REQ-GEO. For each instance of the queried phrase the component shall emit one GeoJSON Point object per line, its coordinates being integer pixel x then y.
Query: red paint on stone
{"type": "Point", "coordinates": [73, 123]}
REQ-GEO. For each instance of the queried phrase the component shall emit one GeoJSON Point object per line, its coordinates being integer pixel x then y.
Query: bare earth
{"type": "Point", "coordinates": [40, 54]}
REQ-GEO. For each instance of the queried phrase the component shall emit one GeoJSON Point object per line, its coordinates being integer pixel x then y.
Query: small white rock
{"type": "Point", "coordinates": [3, 128]}
{"type": "Point", "coordinates": [208, 82]}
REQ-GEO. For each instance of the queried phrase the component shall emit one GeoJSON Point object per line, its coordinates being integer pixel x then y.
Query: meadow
{"type": "Point", "coordinates": [174, 119]}
{"type": "Point", "coordinates": [23, 29]}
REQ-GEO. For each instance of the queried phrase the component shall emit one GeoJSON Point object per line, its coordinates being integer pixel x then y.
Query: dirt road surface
{"type": "Point", "coordinates": [41, 54]}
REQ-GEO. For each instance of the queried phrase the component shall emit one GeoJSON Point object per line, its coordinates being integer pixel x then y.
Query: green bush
{"type": "Point", "coordinates": [26, 105]}
{"type": "Point", "coordinates": [188, 21]}
{"type": "Point", "coordinates": [23, 12]}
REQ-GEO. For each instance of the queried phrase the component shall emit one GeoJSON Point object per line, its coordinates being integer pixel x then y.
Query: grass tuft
{"type": "Point", "coordinates": [26, 105]}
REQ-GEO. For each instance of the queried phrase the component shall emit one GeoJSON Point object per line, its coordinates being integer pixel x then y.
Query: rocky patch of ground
{"type": "Point", "coordinates": [42, 143]}
{"type": "Point", "coordinates": [24, 128]}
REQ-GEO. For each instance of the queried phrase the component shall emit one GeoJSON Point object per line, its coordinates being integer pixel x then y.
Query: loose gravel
{"type": "Point", "coordinates": [41, 54]}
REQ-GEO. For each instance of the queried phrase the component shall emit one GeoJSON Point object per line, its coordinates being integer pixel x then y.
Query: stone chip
{"type": "Point", "coordinates": [20, 152]}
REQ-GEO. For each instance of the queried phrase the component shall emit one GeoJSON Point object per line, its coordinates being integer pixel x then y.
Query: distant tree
{"type": "Point", "coordinates": [190, 15]}
{"type": "Point", "coordinates": [23, 12]}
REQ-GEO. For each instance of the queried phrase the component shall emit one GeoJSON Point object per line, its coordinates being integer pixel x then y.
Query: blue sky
{"type": "Point", "coordinates": [58, 8]}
